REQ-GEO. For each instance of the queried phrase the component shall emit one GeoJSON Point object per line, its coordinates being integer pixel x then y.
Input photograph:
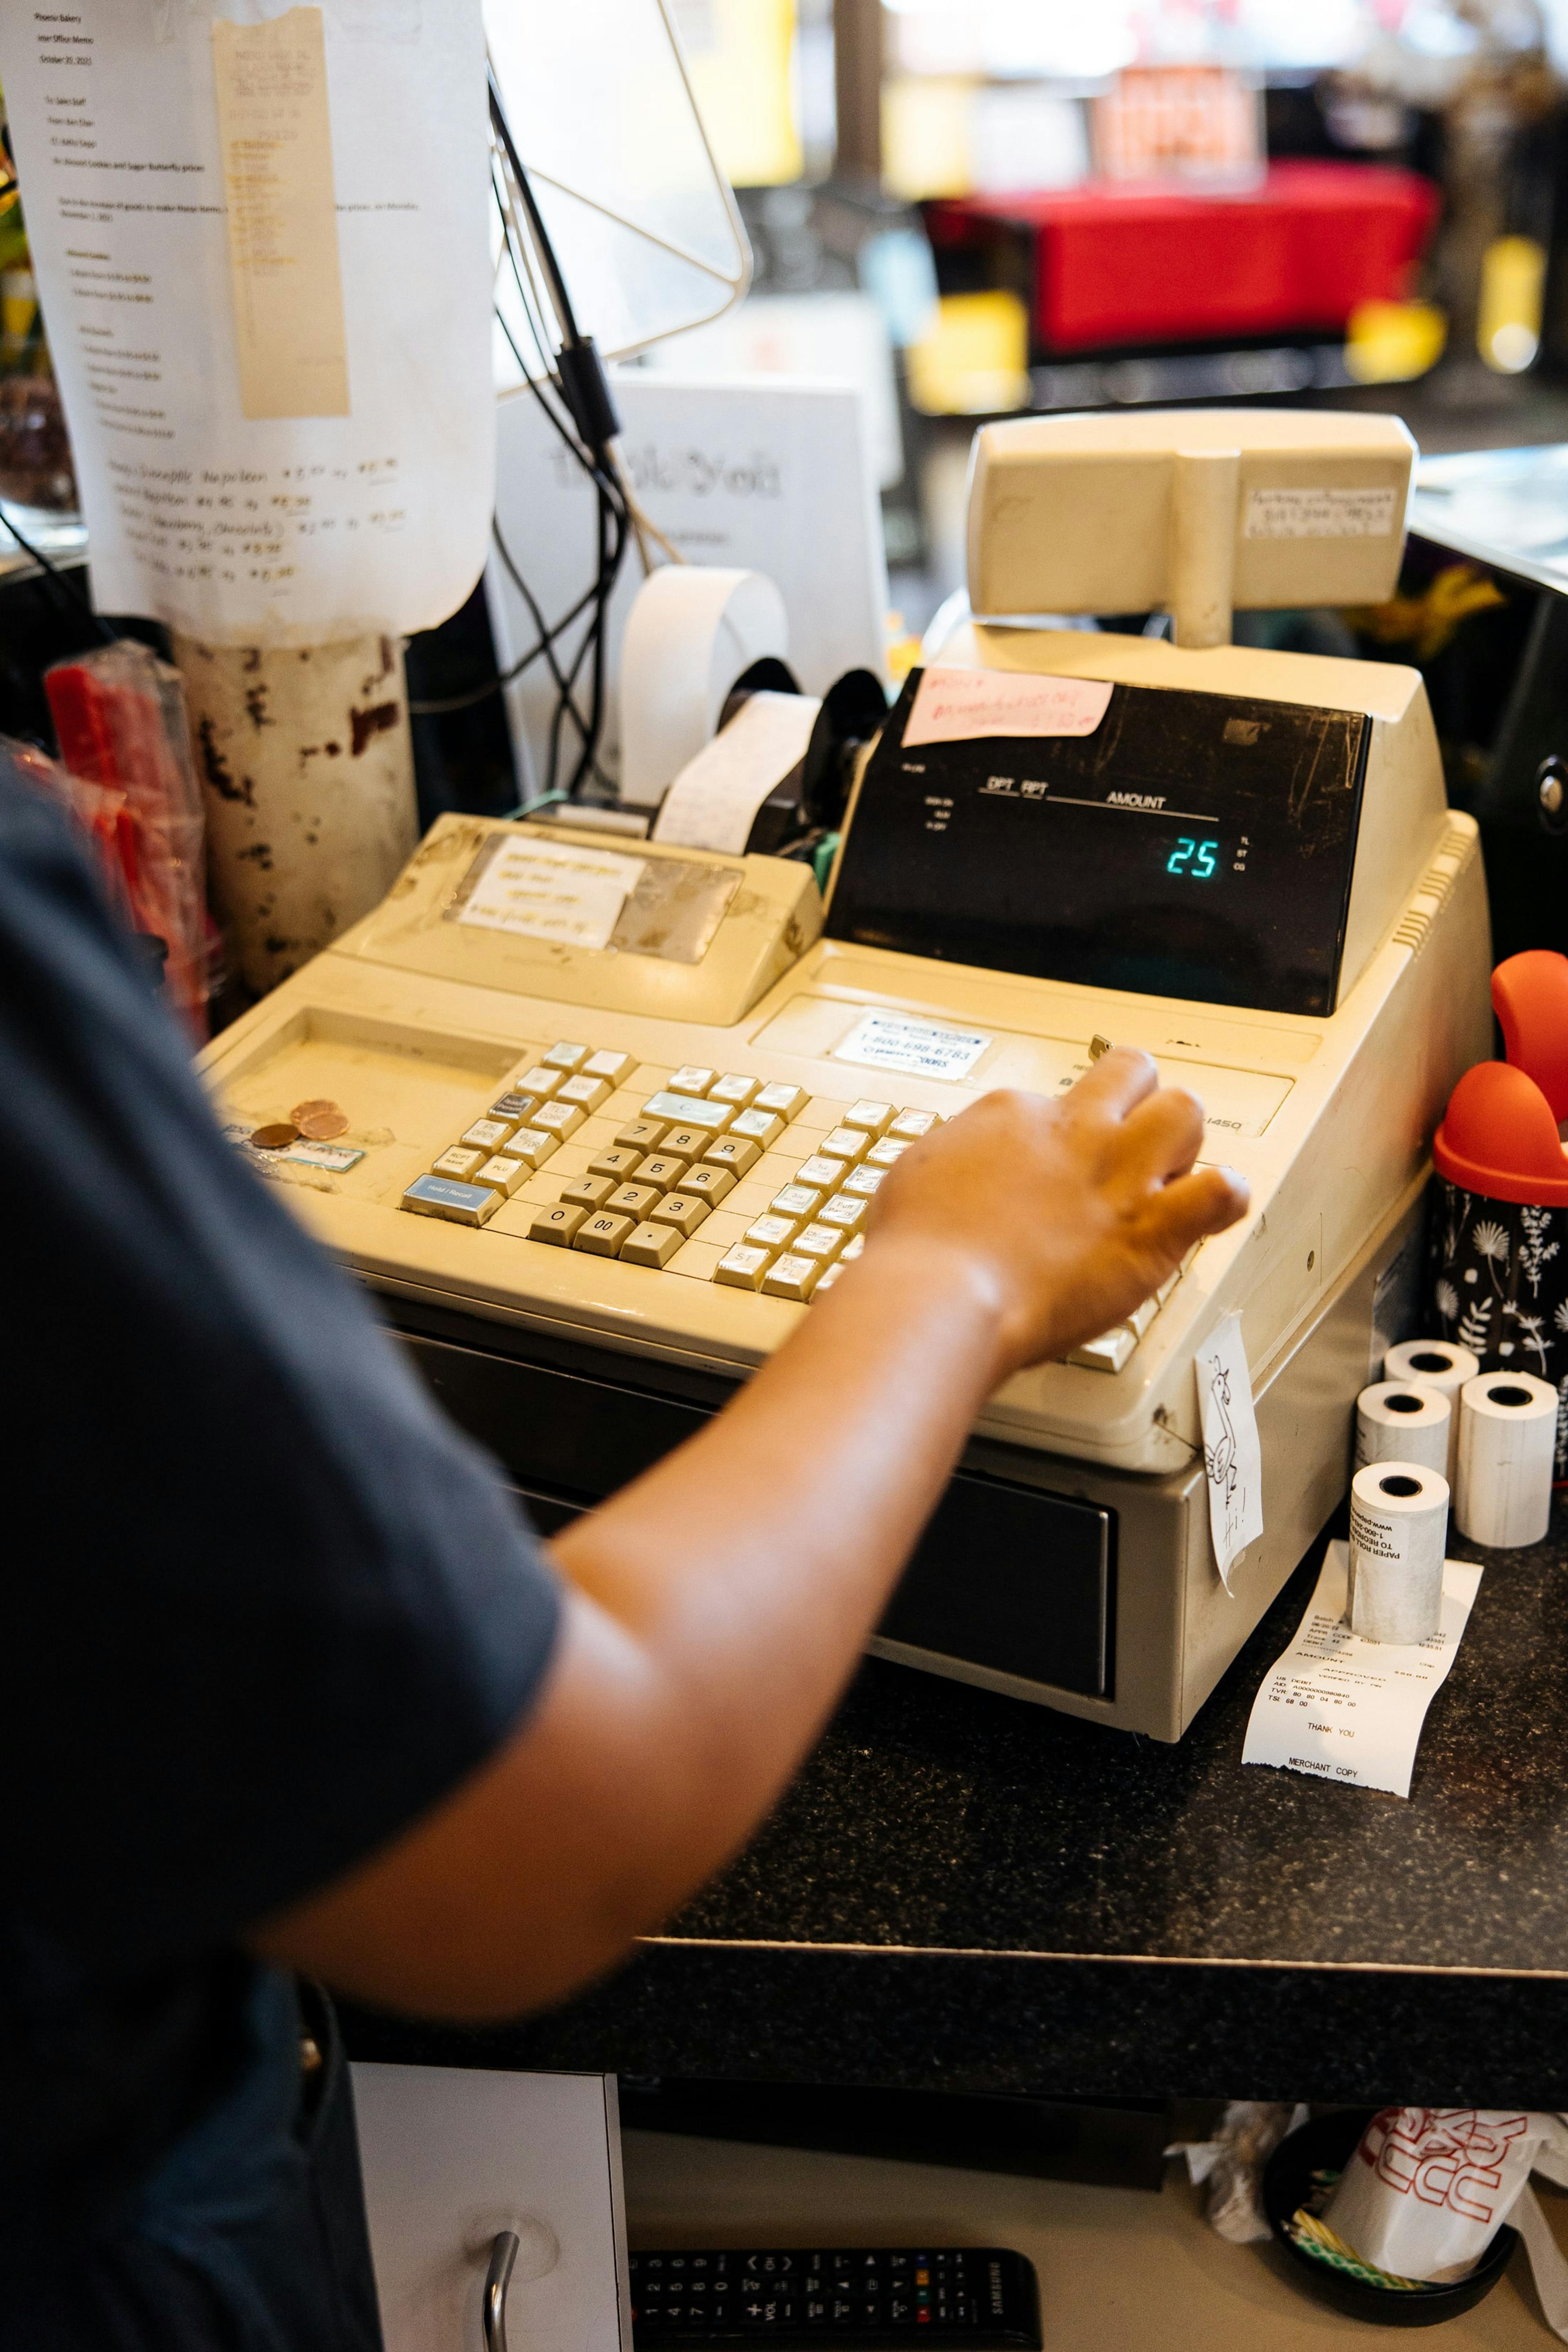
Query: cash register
{"type": "Point", "coordinates": [614, 1114]}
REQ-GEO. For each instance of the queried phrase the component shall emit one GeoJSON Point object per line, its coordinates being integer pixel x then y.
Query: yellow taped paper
{"type": "Point", "coordinates": [276, 133]}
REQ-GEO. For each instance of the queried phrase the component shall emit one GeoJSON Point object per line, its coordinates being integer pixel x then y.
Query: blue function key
{"type": "Point", "coordinates": [443, 1196]}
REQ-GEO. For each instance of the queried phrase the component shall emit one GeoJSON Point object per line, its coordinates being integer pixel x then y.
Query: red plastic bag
{"type": "Point", "coordinates": [119, 716]}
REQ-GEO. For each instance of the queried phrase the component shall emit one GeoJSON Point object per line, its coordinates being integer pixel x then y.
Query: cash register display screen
{"type": "Point", "coordinates": [1197, 845]}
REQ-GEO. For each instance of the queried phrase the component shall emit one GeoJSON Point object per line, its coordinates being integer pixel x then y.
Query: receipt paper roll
{"type": "Point", "coordinates": [1399, 1422]}
{"type": "Point", "coordinates": [1439, 1364]}
{"type": "Point", "coordinates": [1507, 1446]}
{"type": "Point", "coordinates": [1399, 1530]}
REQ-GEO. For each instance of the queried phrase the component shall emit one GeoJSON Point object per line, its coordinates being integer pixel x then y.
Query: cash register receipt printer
{"type": "Point", "coordinates": [594, 1183]}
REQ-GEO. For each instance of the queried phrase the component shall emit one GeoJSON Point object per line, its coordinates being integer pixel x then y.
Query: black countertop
{"type": "Point", "coordinates": [961, 1891]}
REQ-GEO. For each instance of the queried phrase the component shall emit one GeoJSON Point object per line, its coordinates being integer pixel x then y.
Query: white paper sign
{"type": "Point", "coordinates": [544, 890]}
{"type": "Point", "coordinates": [1347, 1709]}
{"type": "Point", "coordinates": [883, 1041]}
{"type": "Point", "coordinates": [1320, 514]}
{"type": "Point", "coordinates": [769, 476]}
{"type": "Point", "coordinates": [713, 803]}
{"type": "Point", "coordinates": [1232, 1454]}
{"type": "Point", "coordinates": [224, 489]}
{"type": "Point", "coordinates": [961, 706]}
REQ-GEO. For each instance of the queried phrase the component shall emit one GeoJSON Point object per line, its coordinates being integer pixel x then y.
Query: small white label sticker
{"type": "Point", "coordinates": [1233, 1456]}
{"type": "Point", "coordinates": [337, 1156]}
{"type": "Point", "coordinates": [884, 1041]}
{"type": "Point", "coordinates": [1342, 1708]}
{"type": "Point", "coordinates": [543, 890]}
{"type": "Point", "coordinates": [1320, 514]}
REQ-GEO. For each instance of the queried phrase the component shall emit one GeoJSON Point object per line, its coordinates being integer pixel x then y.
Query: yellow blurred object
{"type": "Point", "coordinates": [975, 361]}
{"type": "Point", "coordinates": [1428, 623]}
{"type": "Point", "coordinates": [739, 58]}
{"type": "Point", "coordinates": [928, 137]}
{"type": "Point", "coordinates": [1390, 342]}
{"type": "Point", "coordinates": [18, 305]}
{"type": "Point", "coordinates": [1513, 278]}
{"type": "Point", "coordinates": [903, 650]}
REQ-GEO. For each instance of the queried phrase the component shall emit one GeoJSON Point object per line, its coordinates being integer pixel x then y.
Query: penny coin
{"type": "Point", "coordinates": [320, 1120]}
{"type": "Point", "coordinates": [275, 1138]}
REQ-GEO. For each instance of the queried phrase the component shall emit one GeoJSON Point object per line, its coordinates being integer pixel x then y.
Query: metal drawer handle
{"type": "Point", "coordinates": [503, 2254]}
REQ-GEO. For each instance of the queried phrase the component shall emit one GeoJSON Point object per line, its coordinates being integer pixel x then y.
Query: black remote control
{"type": "Point", "coordinates": [982, 2298]}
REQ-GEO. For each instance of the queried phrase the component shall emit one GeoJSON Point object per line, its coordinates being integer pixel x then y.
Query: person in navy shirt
{"type": "Point", "coordinates": [289, 1691]}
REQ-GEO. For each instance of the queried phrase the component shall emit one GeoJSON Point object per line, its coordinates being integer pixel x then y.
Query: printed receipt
{"type": "Point", "coordinates": [713, 803]}
{"type": "Point", "coordinates": [959, 706]}
{"type": "Point", "coordinates": [1347, 1709]}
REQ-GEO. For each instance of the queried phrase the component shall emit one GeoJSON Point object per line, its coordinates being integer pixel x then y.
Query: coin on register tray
{"type": "Point", "coordinates": [320, 1119]}
{"type": "Point", "coordinates": [278, 1137]}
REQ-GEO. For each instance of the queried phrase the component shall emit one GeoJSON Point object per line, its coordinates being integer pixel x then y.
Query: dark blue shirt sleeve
{"type": "Point", "coordinates": [261, 1605]}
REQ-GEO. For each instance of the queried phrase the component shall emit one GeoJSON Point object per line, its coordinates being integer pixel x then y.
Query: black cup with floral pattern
{"type": "Point", "coordinates": [1496, 1283]}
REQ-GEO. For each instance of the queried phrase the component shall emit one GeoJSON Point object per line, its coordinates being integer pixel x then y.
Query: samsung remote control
{"type": "Point", "coordinates": [983, 2297]}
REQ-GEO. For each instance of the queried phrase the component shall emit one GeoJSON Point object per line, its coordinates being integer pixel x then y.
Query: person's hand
{"type": "Point", "coordinates": [1068, 1213]}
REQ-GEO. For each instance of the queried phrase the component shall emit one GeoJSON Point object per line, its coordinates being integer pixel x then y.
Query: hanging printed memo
{"type": "Point", "coordinates": [261, 240]}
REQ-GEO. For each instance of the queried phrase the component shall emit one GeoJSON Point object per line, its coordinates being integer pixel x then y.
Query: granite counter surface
{"type": "Point", "coordinates": [964, 1892]}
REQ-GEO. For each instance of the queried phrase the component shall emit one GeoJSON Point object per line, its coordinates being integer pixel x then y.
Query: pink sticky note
{"type": "Point", "coordinates": [956, 706]}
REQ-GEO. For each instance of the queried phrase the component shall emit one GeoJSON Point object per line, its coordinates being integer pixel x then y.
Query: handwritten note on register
{"type": "Point", "coordinates": [959, 705]}
{"type": "Point", "coordinates": [1233, 1455]}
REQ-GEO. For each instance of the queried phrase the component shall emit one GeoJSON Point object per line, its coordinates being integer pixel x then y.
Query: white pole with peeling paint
{"type": "Point", "coordinates": [307, 767]}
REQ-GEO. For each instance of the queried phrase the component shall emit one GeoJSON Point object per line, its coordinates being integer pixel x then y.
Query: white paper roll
{"type": "Point", "coordinates": [1399, 1530]}
{"type": "Point", "coordinates": [1507, 1446]}
{"type": "Point", "coordinates": [692, 630]}
{"type": "Point", "coordinates": [1439, 1364]}
{"type": "Point", "coordinates": [1398, 1421]}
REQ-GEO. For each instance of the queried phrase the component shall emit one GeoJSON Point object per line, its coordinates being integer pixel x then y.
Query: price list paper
{"type": "Point", "coordinates": [269, 314]}
{"type": "Point", "coordinates": [1342, 1708]}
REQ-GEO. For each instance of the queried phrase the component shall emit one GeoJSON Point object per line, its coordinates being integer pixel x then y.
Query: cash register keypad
{"type": "Point", "coordinates": [675, 1155]}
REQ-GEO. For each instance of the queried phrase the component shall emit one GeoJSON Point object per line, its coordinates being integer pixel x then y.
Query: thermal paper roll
{"type": "Point", "coordinates": [692, 630]}
{"type": "Point", "coordinates": [1398, 1421]}
{"type": "Point", "coordinates": [1507, 1446]}
{"type": "Point", "coordinates": [1438, 1364]}
{"type": "Point", "coordinates": [1399, 1529]}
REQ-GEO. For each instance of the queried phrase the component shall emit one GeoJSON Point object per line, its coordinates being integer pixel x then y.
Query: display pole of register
{"type": "Point", "coordinates": [261, 238]}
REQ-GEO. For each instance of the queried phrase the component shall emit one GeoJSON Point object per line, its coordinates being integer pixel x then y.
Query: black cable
{"type": "Point", "coordinates": [562, 680]}
{"type": "Point", "coordinates": [578, 377]}
{"type": "Point", "coordinates": [596, 473]}
{"type": "Point", "coordinates": [609, 571]}
{"type": "Point", "coordinates": [588, 731]}
{"type": "Point", "coordinates": [448, 703]}
{"type": "Point", "coordinates": [607, 480]}
{"type": "Point", "coordinates": [547, 251]}
{"type": "Point", "coordinates": [71, 590]}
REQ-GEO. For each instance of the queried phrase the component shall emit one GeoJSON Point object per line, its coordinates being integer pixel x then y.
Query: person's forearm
{"type": "Point", "coordinates": [766, 1549]}
{"type": "Point", "coordinates": [720, 1603]}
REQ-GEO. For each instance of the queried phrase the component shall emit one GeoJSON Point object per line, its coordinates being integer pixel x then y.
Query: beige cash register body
{"type": "Point", "coordinates": [616, 1114]}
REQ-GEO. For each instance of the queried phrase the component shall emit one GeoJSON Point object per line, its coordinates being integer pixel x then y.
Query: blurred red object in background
{"type": "Point", "coordinates": [119, 716]}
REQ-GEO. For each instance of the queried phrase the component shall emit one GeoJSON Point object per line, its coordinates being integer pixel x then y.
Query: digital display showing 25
{"type": "Point", "coordinates": [1194, 845]}
{"type": "Point", "coordinates": [1199, 859]}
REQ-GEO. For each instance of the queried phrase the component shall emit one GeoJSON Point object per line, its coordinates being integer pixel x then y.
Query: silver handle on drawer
{"type": "Point", "coordinates": [503, 2253]}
